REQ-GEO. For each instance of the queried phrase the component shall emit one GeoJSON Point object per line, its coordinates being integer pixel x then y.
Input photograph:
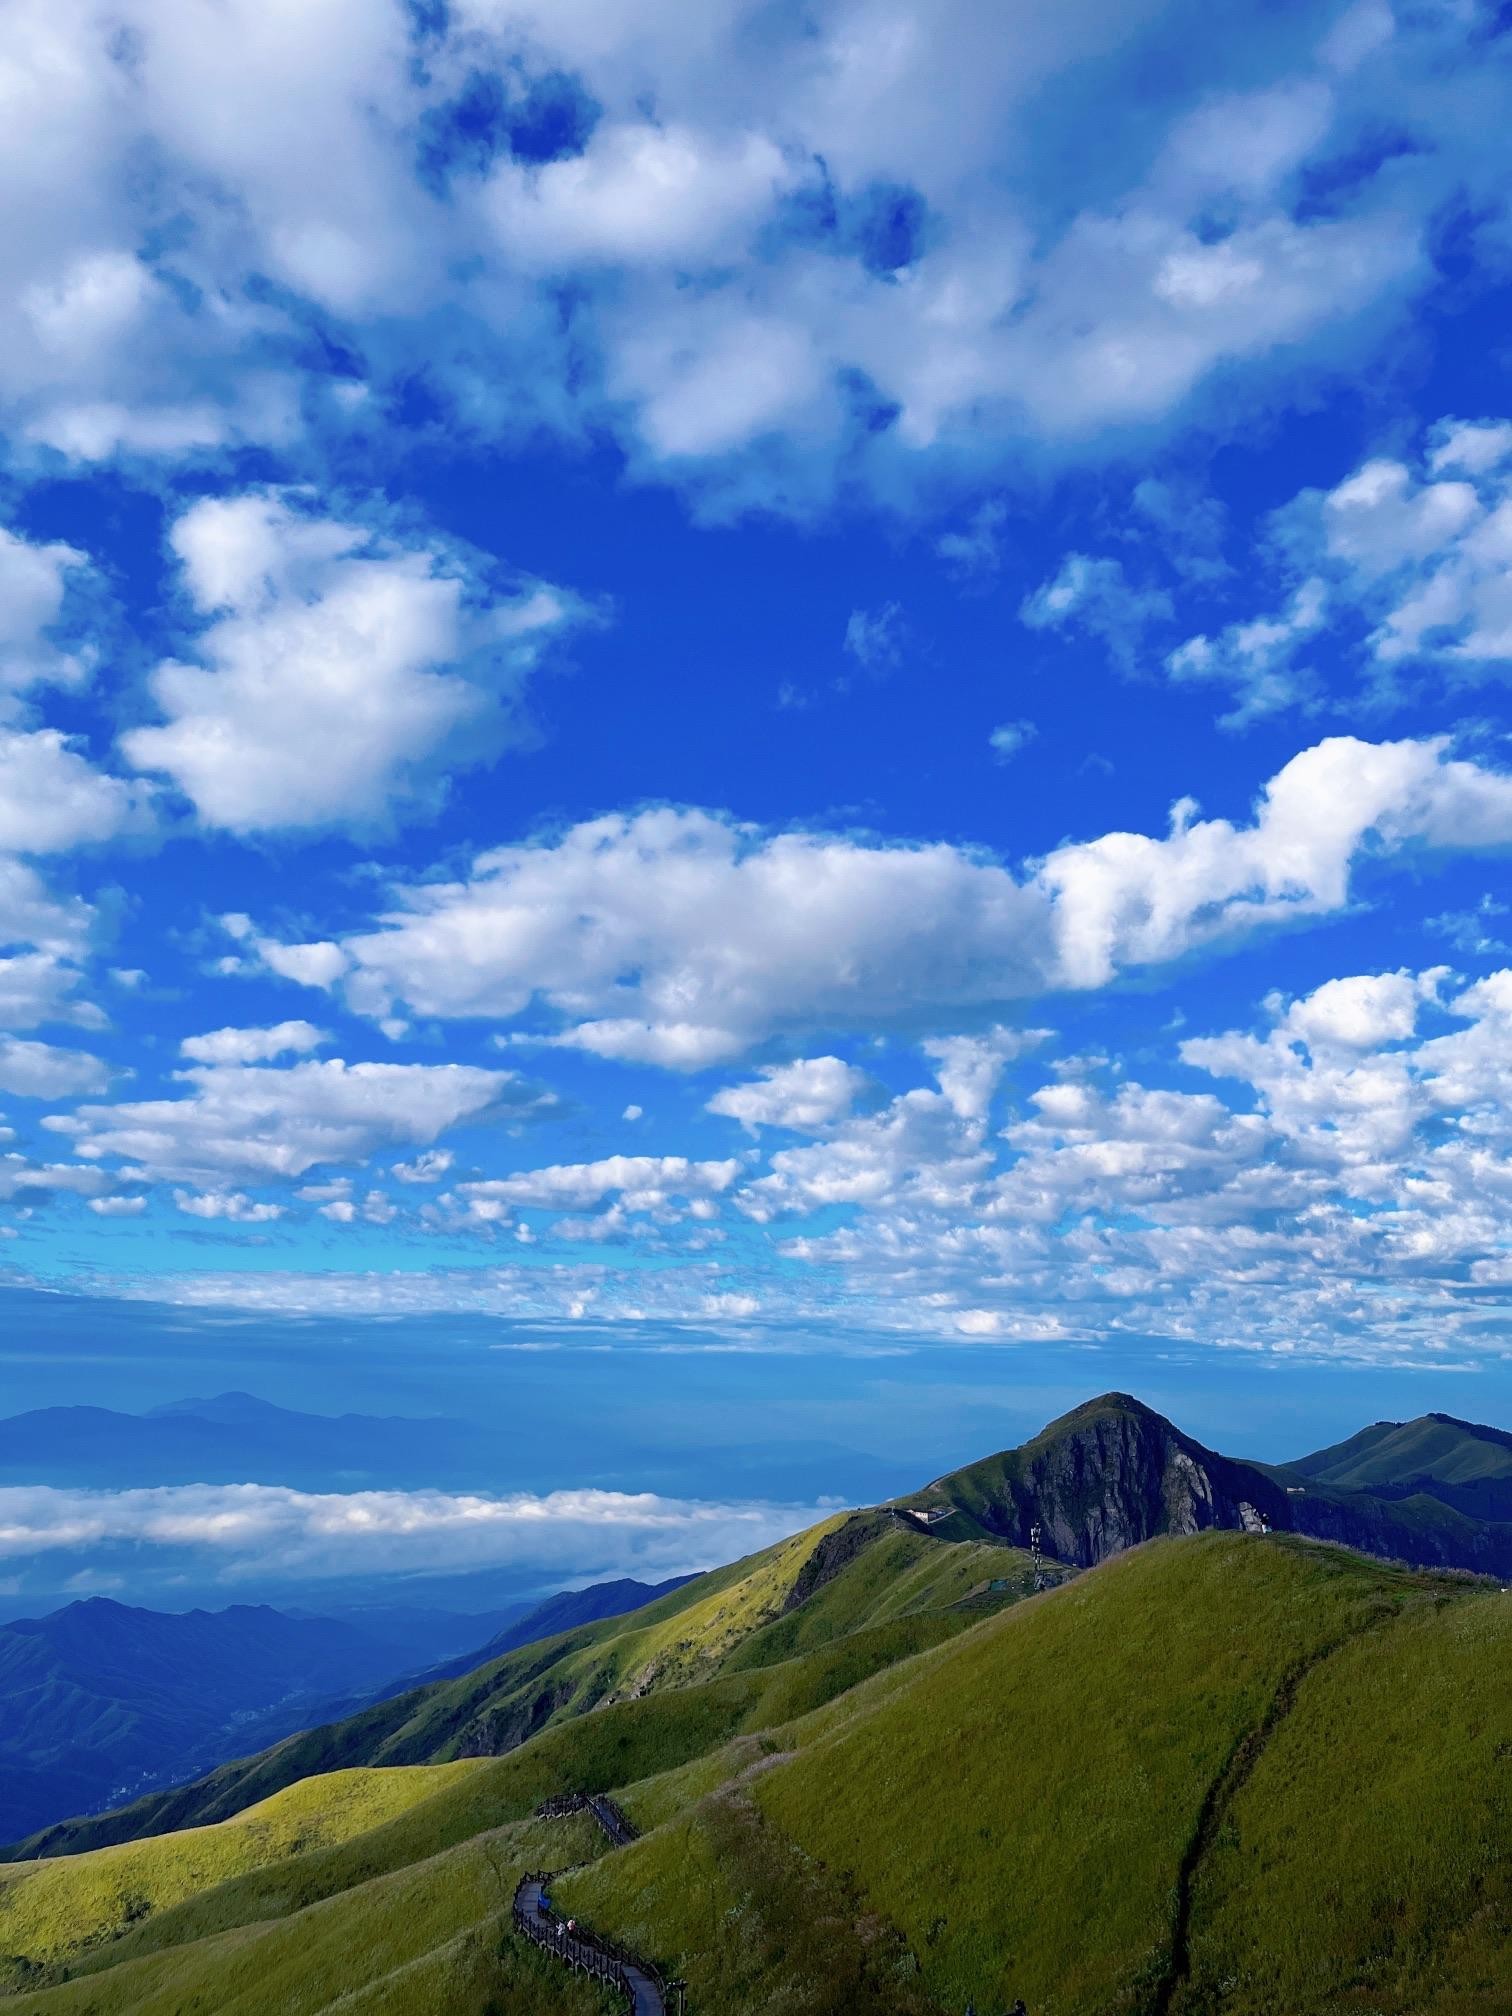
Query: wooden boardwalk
{"type": "Point", "coordinates": [586, 1951]}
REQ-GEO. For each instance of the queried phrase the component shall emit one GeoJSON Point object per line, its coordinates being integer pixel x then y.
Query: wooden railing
{"type": "Point", "coordinates": [612, 1817]}
{"type": "Point", "coordinates": [587, 1952]}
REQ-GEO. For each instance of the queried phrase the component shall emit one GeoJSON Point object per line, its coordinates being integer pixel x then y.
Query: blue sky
{"type": "Point", "coordinates": [772, 675]}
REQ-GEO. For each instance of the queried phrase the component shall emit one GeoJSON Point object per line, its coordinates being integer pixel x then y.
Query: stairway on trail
{"type": "Point", "coordinates": [545, 1927]}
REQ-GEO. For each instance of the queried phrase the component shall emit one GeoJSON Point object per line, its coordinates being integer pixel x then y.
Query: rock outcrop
{"type": "Point", "coordinates": [1114, 1472]}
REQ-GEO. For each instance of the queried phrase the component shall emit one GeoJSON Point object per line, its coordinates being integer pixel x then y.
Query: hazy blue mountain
{"type": "Point", "coordinates": [101, 1700]}
{"type": "Point", "coordinates": [562, 1612]}
{"type": "Point", "coordinates": [232, 1438]}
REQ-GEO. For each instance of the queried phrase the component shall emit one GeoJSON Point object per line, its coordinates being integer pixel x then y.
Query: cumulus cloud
{"type": "Point", "coordinates": [680, 938]}
{"type": "Point", "coordinates": [638, 195]}
{"type": "Point", "coordinates": [35, 580]}
{"type": "Point", "coordinates": [739, 314]}
{"type": "Point", "coordinates": [252, 1046]}
{"type": "Point", "coordinates": [47, 1071]}
{"type": "Point", "coordinates": [238, 1532]}
{"type": "Point", "coordinates": [1257, 660]}
{"type": "Point", "coordinates": [641, 1182]}
{"type": "Point", "coordinates": [51, 797]}
{"type": "Point", "coordinates": [1411, 558]}
{"type": "Point", "coordinates": [335, 664]}
{"type": "Point", "coordinates": [1009, 738]}
{"type": "Point", "coordinates": [427, 1168]}
{"type": "Point", "coordinates": [231, 1205]}
{"type": "Point", "coordinates": [258, 1124]}
{"type": "Point", "coordinates": [1097, 598]}
{"type": "Point", "coordinates": [23, 1181]}
{"type": "Point", "coordinates": [806, 1096]}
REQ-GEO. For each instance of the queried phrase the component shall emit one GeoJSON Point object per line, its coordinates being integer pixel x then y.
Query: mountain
{"type": "Point", "coordinates": [568, 1608]}
{"type": "Point", "coordinates": [1103, 1478]}
{"type": "Point", "coordinates": [562, 1612]}
{"type": "Point", "coordinates": [99, 1699]}
{"type": "Point", "coordinates": [1461, 1463]}
{"type": "Point", "coordinates": [865, 1578]}
{"type": "Point", "coordinates": [231, 1438]}
{"type": "Point", "coordinates": [1114, 1472]}
{"type": "Point", "coordinates": [870, 1772]}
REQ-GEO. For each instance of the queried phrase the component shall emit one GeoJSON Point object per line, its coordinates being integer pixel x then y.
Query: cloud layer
{"type": "Point", "coordinates": [234, 1533]}
{"type": "Point", "coordinates": [729, 935]}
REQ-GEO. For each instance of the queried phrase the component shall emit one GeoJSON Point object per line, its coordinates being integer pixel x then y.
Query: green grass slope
{"type": "Point", "coordinates": [428, 1937]}
{"type": "Point", "coordinates": [58, 1906]}
{"type": "Point", "coordinates": [1373, 1874]}
{"type": "Point", "coordinates": [838, 1577]}
{"type": "Point", "coordinates": [1466, 1465]}
{"type": "Point", "coordinates": [1265, 1777]}
{"type": "Point", "coordinates": [1047, 1805]}
{"type": "Point", "coordinates": [275, 1858]}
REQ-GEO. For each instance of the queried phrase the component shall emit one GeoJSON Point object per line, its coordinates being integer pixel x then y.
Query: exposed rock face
{"type": "Point", "coordinates": [1109, 1475]}
{"type": "Point", "coordinates": [1115, 1472]}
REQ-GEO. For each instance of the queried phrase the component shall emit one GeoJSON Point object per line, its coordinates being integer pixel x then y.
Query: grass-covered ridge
{"type": "Point", "coordinates": [1078, 1798]}
{"type": "Point", "coordinates": [73, 1902]}
{"type": "Point", "coordinates": [1057, 1805]}
{"type": "Point", "coordinates": [740, 1616]}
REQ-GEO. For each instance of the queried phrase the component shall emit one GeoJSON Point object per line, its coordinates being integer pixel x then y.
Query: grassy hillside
{"type": "Point", "coordinates": [51, 1908]}
{"type": "Point", "coordinates": [1049, 1806]}
{"type": "Point", "coordinates": [426, 1937]}
{"type": "Point", "coordinates": [738, 1617]}
{"type": "Point", "coordinates": [1464, 1464]}
{"type": "Point", "coordinates": [1262, 1775]}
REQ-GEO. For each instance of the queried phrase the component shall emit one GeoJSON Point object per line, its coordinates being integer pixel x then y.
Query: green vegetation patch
{"type": "Point", "coordinates": [382, 1946]}
{"type": "Point", "coordinates": [1366, 1863]}
{"type": "Point", "coordinates": [1021, 1807]}
{"type": "Point", "coordinates": [56, 1907]}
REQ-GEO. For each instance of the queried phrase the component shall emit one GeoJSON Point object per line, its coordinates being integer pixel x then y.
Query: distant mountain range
{"type": "Point", "coordinates": [101, 1702]}
{"type": "Point", "coordinates": [236, 1438]}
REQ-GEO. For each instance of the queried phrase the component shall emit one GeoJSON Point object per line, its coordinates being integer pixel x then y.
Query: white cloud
{"type": "Point", "coordinates": [44, 1071]}
{"type": "Point", "coordinates": [641, 1182]}
{"type": "Point", "coordinates": [23, 1181]}
{"type": "Point", "coordinates": [1010, 737]}
{"type": "Point", "coordinates": [1097, 597]}
{"type": "Point", "coordinates": [242, 1531]}
{"type": "Point", "coordinates": [316, 964]}
{"type": "Point", "coordinates": [336, 664]}
{"type": "Point", "coordinates": [427, 1168]}
{"type": "Point", "coordinates": [728, 300]}
{"type": "Point", "coordinates": [118, 1207]}
{"type": "Point", "coordinates": [52, 798]}
{"type": "Point", "coordinates": [34, 584]}
{"type": "Point", "coordinates": [1420, 552]}
{"type": "Point", "coordinates": [976, 549]}
{"type": "Point", "coordinates": [807, 1096]}
{"type": "Point", "coordinates": [876, 638]}
{"type": "Point", "coordinates": [679, 938]}
{"type": "Point", "coordinates": [252, 1046]}
{"type": "Point", "coordinates": [1257, 659]}
{"type": "Point", "coordinates": [232, 1205]}
{"type": "Point", "coordinates": [259, 1124]}
{"type": "Point", "coordinates": [1126, 900]}
{"type": "Point", "coordinates": [639, 195]}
